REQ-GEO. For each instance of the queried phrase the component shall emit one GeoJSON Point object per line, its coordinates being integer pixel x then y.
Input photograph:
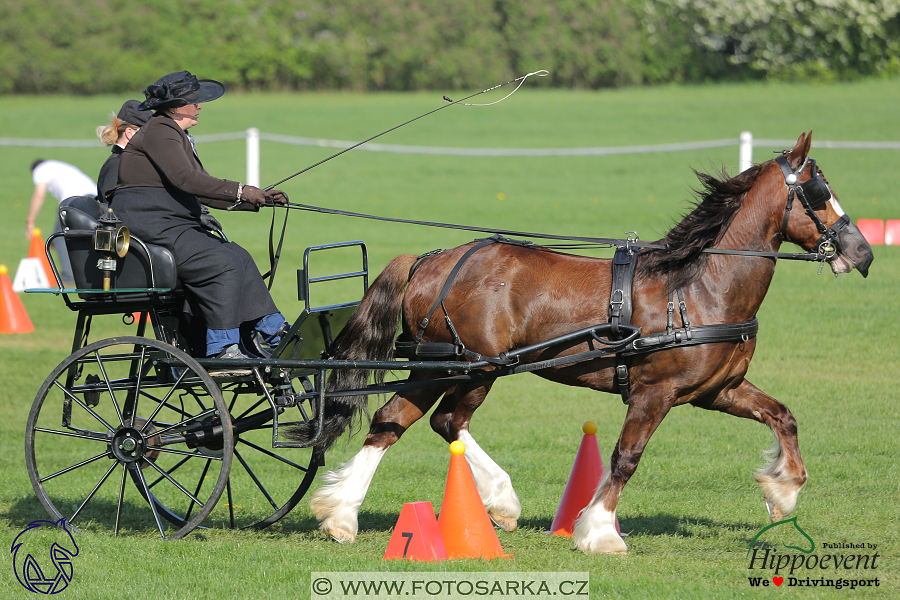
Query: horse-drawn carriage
{"type": "Point", "coordinates": [135, 432]}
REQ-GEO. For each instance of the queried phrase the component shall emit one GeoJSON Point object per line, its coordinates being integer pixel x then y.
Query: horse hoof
{"type": "Point", "coordinates": [341, 536]}
{"type": "Point", "coordinates": [775, 512]}
{"type": "Point", "coordinates": [609, 542]}
{"type": "Point", "coordinates": [504, 523]}
{"type": "Point", "coordinates": [613, 545]}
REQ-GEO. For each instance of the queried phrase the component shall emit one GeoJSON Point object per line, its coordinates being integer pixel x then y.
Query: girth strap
{"type": "Point", "coordinates": [620, 309]}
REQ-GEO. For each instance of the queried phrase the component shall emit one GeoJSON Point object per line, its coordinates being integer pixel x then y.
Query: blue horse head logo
{"type": "Point", "coordinates": [29, 572]}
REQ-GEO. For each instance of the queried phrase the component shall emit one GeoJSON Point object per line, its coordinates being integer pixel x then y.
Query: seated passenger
{"type": "Point", "coordinates": [121, 128]}
{"type": "Point", "coordinates": [160, 189]}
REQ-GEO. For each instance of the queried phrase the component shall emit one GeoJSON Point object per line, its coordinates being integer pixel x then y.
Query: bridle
{"type": "Point", "coordinates": [813, 194]}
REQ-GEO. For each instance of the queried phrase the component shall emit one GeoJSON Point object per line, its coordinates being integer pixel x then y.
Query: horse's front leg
{"type": "Point", "coordinates": [336, 504]}
{"type": "Point", "coordinates": [595, 530]}
{"type": "Point", "coordinates": [451, 421]}
{"type": "Point", "coordinates": [784, 475]}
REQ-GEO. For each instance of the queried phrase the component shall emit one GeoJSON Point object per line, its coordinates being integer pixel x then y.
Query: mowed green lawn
{"type": "Point", "coordinates": [826, 348]}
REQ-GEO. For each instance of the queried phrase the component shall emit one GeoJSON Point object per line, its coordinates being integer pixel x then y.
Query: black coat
{"type": "Point", "coordinates": [109, 174]}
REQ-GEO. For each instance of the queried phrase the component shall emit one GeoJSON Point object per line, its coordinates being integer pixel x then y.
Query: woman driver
{"type": "Point", "coordinates": [161, 187]}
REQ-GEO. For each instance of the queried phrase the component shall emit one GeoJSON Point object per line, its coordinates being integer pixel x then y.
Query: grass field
{"type": "Point", "coordinates": [827, 347]}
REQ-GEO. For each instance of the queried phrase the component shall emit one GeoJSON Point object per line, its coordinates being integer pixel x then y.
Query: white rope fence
{"type": "Point", "coordinates": [253, 137]}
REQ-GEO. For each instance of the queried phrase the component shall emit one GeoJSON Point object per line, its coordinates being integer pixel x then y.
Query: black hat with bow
{"type": "Point", "coordinates": [180, 89]}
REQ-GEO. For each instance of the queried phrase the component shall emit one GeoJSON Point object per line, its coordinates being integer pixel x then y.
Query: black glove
{"type": "Point", "coordinates": [208, 221]}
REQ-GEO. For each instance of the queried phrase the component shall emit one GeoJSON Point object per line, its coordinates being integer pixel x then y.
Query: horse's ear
{"type": "Point", "coordinates": [800, 151]}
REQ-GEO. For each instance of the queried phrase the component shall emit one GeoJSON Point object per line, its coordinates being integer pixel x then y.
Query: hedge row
{"type": "Point", "coordinates": [100, 46]}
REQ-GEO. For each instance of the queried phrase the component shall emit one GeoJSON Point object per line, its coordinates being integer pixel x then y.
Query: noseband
{"type": "Point", "coordinates": [813, 194]}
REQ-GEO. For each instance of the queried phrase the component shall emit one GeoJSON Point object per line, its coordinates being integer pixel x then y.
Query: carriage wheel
{"type": "Point", "coordinates": [266, 482]}
{"type": "Point", "coordinates": [124, 420]}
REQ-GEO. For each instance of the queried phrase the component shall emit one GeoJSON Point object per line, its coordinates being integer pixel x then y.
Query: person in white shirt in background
{"type": "Point", "coordinates": [62, 181]}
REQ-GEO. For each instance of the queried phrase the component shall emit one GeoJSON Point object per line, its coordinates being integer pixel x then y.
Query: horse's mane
{"type": "Point", "coordinates": [683, 259]}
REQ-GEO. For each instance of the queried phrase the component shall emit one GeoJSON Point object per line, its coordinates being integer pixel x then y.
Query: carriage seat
{"type": "Point", "coordinates": [144, 266]}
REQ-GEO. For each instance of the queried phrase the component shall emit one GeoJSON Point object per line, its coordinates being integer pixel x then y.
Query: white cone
{"type": "Point", "coordinates": [30, 274]}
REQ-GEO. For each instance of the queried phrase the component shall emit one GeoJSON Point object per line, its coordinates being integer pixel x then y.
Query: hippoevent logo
{"type": "Point", "coordinates": [31, 549]}
{"type": "Point", "coordinates": [836, 565]}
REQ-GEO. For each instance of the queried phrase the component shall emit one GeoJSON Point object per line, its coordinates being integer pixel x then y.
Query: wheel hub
{"type": "Point", "coordinates": [128, 445]}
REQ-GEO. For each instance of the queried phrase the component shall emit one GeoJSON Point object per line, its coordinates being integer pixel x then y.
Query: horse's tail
{"type": "Point", "coordinates": [368, 335]}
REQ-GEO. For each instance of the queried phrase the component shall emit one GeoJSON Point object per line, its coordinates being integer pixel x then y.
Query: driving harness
{"type": "Point", "coordinates": [625, 340]}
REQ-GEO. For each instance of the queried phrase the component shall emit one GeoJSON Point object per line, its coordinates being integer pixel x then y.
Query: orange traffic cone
{"type": "Point", "coordinates": [13, 318]}
{"type": "Point", "coordinates": [36, 250]}
{"type": "Point", "coordinates": [464, 523]}
{"type": "Point", "coordinates": [583, 481]}
{"type": "Point", "coordinates": [416, 535]}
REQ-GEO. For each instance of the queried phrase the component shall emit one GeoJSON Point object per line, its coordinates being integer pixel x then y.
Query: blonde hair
{"type": "Point", "coordinates": [109, 134]}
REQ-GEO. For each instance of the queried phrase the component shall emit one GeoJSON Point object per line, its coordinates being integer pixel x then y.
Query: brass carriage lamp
{"type": "Point", "coordinates": [111, 239]}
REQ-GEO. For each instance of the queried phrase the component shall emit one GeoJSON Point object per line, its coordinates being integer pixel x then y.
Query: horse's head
{"type": "Point", "coordinates": [820, 225]}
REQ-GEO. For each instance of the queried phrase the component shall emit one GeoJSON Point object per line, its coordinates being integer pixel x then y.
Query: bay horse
{"type": "Point", "coordinates": [509, 296]}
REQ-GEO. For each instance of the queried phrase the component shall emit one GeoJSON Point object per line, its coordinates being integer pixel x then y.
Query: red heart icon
{"type": "Point", "coordinates": [778, 580]}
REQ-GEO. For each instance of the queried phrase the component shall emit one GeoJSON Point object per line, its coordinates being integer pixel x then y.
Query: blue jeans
{"type": "Point", "coordinates": [219, 339]}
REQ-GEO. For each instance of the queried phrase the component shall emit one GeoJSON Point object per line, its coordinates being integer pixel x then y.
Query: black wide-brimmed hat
{"type": "Point", "coordinates": [132, 115]}
{"type": "Point", "coordinates": [180, 89]}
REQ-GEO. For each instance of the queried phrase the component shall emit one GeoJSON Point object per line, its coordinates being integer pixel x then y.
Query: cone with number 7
{"type": "Point", "coordinates": [416, 535]}
{"type": "Point", "coordinates": [464, 522]}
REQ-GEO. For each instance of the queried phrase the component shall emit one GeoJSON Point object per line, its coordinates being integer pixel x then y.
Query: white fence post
{"type": "Point", "coordinates": [745, 155]}
{"type": "Point", "coordinates": [253, 157]}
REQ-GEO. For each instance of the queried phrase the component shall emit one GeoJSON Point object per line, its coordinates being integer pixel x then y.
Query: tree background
{"type": "Point", "coordinates": [113, 46]}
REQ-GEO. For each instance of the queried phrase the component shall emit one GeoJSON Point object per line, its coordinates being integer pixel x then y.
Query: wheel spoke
{"type": "Point", "coordinates": [255, 479]}
{"type": "Point", "coordinates": [93, 491]}
{"type": "Point", "coordinates": [94, 436]}
{"type": "Point", "coordinates": [84, 406]}
{"type": "Point", "coordinates": [173, 469]}
{"type": "Point", "coordinates": [149, 497]}
{"type": "Point", "coordinates": [165, 401]}
{"type": "Point", "coordinates": [121, 500]}
{"type": "Point", "coordinates": [185, 453]}
{"type": "Point", "coordinates": [199, 485]}
{"type": "Point", "coordinates": [73, 467]}
{"type": "Point", "coordinates": [112, 394]}
{"type": "Point", "coordinates": [142, 369]}
{"type": "Point", "coordinates": [172, 481]}
{"type": "Point", "coordinates": [196, 417]}
{"type": "Point", "coordinates": [230, 505]}
{"type": "Point", "coordinates": [271, 454]}
{"type": "Point", "coordinates": [251, 409]}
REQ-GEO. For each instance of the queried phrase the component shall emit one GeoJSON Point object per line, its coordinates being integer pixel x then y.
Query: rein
{"type": "Point", "coordinates": [585, 242]}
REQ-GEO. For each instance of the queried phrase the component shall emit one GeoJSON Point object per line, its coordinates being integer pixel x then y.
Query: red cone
{"type": "Point", "coordinates": [416, 535]}
{"type": "Point", "coordinates": [583, 481]}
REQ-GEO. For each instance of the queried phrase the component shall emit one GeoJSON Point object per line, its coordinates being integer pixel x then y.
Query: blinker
{"type": "Point", "coordinates": [816, 192]}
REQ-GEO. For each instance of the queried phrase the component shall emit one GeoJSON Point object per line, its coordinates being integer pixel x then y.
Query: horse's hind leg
{"type": "Point", "coordinates": [451, 421]}
{"type": "Point", "coordinates": [784, 475]}
{"type": "Point", "coordinates": [337, 503]}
